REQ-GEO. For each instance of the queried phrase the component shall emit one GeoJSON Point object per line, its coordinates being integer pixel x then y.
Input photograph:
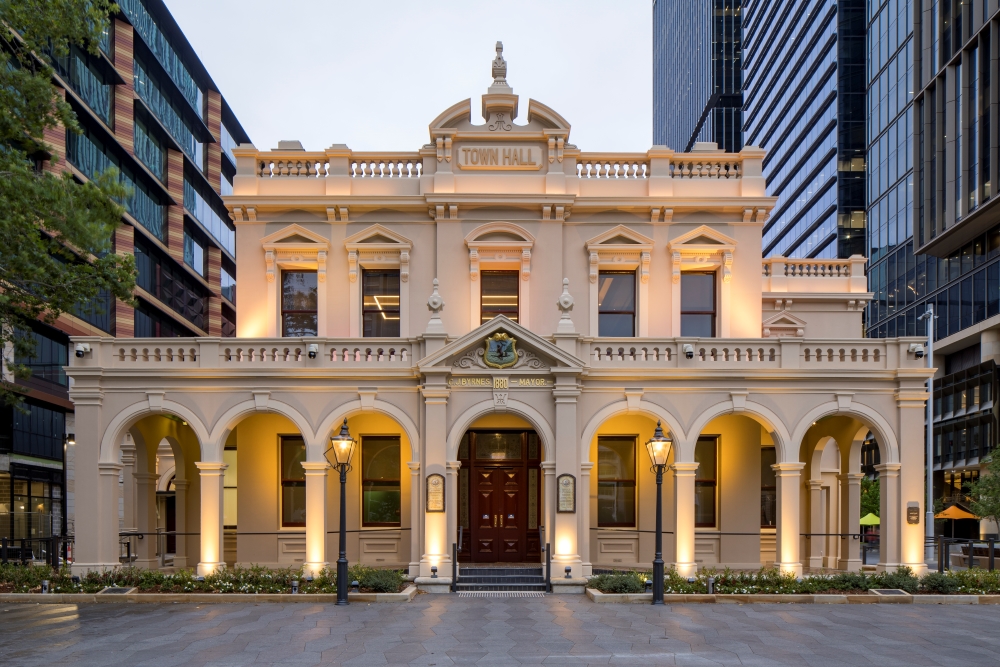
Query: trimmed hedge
{"type": "Point", "coordinates": [254, 579]}
{"type": "Point", "coordinates": [771, 580]}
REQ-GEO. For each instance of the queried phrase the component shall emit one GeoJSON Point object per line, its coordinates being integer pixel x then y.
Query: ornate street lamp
{"type": "Point", "coordinates": [339, 455]}
{"type": "Point", "coordinates": [659, 449]}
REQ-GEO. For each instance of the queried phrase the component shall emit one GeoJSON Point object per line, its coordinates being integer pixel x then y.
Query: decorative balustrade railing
{"type": "Point", "coordinates": [811, 268]}
{"type": "Point", "coordinates": [685, 166]}
{"type": "Point", "coordinates": [600, 165]}
{"type": "Point", "coordinates": [359, 165]}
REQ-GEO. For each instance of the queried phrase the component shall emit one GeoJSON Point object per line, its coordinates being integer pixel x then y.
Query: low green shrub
{"type": "Point", "coordinates": [626, 581]}
{"type": "Point", "coordinates": [372, 580]}
{"type": "Point", "coordinates": [938, 582]}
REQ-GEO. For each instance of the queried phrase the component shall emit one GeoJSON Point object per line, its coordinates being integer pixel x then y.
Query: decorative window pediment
{"type": "Point", "coordinates": [500, 242]}
{"type": "Point", "coordinates": [295, 247]}
{"type": "Point", "coordinates": [700, 249]}
{"type": "Point", "coordinates": [783, 324]}
{"type": "Point", "coordinates": [377, 247]}
{"type": "Point", "coordinates": [622, 248]}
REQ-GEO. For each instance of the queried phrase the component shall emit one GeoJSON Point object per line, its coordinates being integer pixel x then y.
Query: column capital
{"type": "Point", "coordinates": [815, 484]}
{"type": "Point", "coordinates": [145, 477]}
{"type": "Point", "coordinates": [209, 467]}
{"type": "Point", "coordinates": [890, 469]}
{"type": "Point", "coordinates": [851, 477]}
{"type": "Point", "coordinates": [685, 468]}
{"type": "Point", "coordinates": [414, 467]}
{"type": "Point", "coordinates": [109, 468]}
{"type": "Point", "coordinates": [549, 467]}
{"type": "Point", "coordinates": [789, 468]}
{"type": "Point", "coordinates": [453, 465]}
{"type": "Point", "coordinates": [586, 467]}
{"type": "Point", "coordinates": [315, 467]}
{"type": "Point", "coordinates": [181, 484]}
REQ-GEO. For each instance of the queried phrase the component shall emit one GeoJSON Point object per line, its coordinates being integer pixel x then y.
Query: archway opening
{"type": "Point", "coordinates": [500, 491]}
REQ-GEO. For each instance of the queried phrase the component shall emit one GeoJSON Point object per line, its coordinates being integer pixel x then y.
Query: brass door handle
{"type": "Point", "coordinates": [494, 520]}
{"type": "Point", "coordinates": [501, 520]}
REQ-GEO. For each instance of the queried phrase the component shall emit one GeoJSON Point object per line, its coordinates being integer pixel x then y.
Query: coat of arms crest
{"type": "Point", "coordinates": [500, 351]}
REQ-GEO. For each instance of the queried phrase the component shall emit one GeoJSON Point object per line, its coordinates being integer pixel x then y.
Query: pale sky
{"type": "Point", "coordinates": [373, 75]}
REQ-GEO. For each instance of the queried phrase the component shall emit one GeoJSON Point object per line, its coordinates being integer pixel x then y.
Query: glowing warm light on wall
{"type": "Point", "coordinates": [252, 327]}
{"type": "Point", "coordinates": [564, 546]}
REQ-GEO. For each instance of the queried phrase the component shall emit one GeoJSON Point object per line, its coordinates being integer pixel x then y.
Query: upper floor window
{"type": "Point", "coordinates": [299, 304]}
{"type": "Point", "coordinates": [499, 294]}
{"type": "Point", "coordinates": [380, 303]}
{"type": "Point", "coordinates": [616, 481]}
{"type": "Point", "coordinates": [293, 482]}
{"type": "Point", "coordinates": [706, 482]}
{"type": "Point", "coordinates": [380, 493]}
{"type": "Point", "coordinates": [698, 304]}
{"type": "Point", "coordinates": [616, 303]}
{"type": "Point", "coordinates": [49, 357]}
{"type": "Point", "coordinates": [228, 285]}
{"type": "Point", "coordinates": [194, 253]}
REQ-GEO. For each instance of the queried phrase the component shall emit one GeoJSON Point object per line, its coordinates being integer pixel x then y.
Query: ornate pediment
{"type": "Point", "coordinates": [377, 247]}
{"type": "Point", "coordinates": [492, 346]}
{"type": "Point", "coordinates": [702, 248]}
{"type": "Point", "coordinates": [783, 324]}
{"type": "Point", "coordinates": [295, 247]}
{"type": "Point", "coordinates": [499, 242]}
{"type": "Point", "coordinates": [620, 248]}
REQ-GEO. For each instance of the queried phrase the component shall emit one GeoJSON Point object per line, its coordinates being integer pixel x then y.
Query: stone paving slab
{"type": "Point", "coordinates": [439, 630]}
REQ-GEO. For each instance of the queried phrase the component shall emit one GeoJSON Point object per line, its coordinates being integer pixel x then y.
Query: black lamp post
{"type": "Point", "coordinates": [342, 448]}
{"type": "Point", "coordinates": [659, 448]}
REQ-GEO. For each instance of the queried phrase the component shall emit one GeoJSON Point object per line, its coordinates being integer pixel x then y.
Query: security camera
{"type": "Point", "coordinates": [688, 350]}
{"type": "Point", "coordinates": [313, 350]}
{"type": "Point", "coordinates": [917, 349]}
{"type": "Point", "coordinates": [81, 349]}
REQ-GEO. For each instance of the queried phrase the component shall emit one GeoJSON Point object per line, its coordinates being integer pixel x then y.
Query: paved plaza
{"type": "Point", "coordinates": [445, 630]}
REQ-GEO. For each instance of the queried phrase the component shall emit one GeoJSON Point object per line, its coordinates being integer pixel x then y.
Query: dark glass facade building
{"type": "Point", "coordinates": [697, 73]}
{"type": "Point", "coordinates": [804, 102]}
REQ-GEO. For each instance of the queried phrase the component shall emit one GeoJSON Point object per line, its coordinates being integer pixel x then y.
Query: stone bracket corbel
{"type": "Point", "coordinates": [321, 266]}
{"type": "Point", "coordinates": [352, 265]}
{"type": "Point", "coordinates": [633, 396]}
{"type": "Point", "coordinates": [525, 263]}
{"type": "Point", "coordinates": [367, 396]}
{"type": "Point", "coordinates": [155, 400]}
{"type": "Point", "coordinates": [261, 398]}
{"type": "Point", "coordinates": [739, 399]}
{"type": "Point", "coordinates": [844, 400]}
{"type": "Point", "coordinates": [269, 265]}
{"type": "Point", "coordinates": [644, 267]}
{"type": "Point", "coordinates": [595, 265]}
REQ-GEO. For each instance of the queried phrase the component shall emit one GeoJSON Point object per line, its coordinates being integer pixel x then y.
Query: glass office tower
{"type": "Point", "coordinates": [697, 73]}
{"type": "Point", "coordinates": [804, 102]}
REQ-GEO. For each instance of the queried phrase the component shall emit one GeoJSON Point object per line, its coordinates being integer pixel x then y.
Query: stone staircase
{"type": "Point", "coordinates": [501, 578]}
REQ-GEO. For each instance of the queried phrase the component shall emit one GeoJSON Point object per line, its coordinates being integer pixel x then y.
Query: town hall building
{"type": "Point", "coordinates": [502, 319]}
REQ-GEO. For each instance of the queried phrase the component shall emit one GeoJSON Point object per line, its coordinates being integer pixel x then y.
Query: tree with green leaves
{"type": "Point", "coordinates": [871, 501]}
{"type": "Point", "coordinates": [984, 493]}
{"type": "Point", "coordinates": [55, 232]}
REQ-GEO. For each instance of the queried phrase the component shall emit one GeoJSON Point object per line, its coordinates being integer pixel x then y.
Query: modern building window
{"type": "Point", "coordinates": [706, 482]}
{"type": "Point", "coordinates": [768, 488]}
{"type": "Point", "coordinates": [616, 481]}
{"type": "Point", "coordinates": [698, 304]}
{"type": "Point", "coordinates": [499, 294]}
{"type": "Point", "coordinates": [380, 491]}
{"type": "Point", "coordinates": [380, 303]}
{"type": "Point", "coordinates": [194, 253]}
{"type": "Point", "coordinates": [299, 304]}
{"type": "Point", "coordinates": [228, 286]}
{"type": "Point", "coordinates": [293, 482]}
{"type": "Point", "coordinates": [229, 488]}
{"type": "Point", "coordinates": [38, 431]}
{"type": "Point", "coordinates": [616, 303]}
{"type": "Point", "coordinates": [48, 359]}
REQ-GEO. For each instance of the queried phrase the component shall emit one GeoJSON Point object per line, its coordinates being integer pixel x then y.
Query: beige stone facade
{"type": "Point", "coordinates": [785, 375]}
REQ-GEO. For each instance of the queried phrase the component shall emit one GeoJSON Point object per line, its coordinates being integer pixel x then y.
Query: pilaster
{"type": "Point", "coordinates": [816, 523]}
{"type": "Point", "coordinates": [211, 474]}
{"type": "Point", "coordinates": [316, 520]}
{"type": "Point", "coordinates": [850, 515]}
{"type": "Point", "coordinates": [684, 538]}
{"type": "Point", "coordinates": [787, 538]}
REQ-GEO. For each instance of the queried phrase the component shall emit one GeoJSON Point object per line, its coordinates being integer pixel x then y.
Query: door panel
{"type": "Point", "coordinates": [512, 515]}
{"type": "Point", "coordinates": [485, 538]}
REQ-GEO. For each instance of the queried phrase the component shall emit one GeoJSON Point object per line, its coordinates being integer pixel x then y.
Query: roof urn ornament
{"type": "Point", "coordinates": [499, 67]}
{"type": "Point", "coordinates": [565, 303]}
{"type": "Point", "coordinates": [435, 304]}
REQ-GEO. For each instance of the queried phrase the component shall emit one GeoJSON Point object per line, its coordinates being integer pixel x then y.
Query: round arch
{"type": "Point", "coordinates": [876, 423]}
{"type": "Point", "coordinates": [314, 452]}
{"type": "Point", "coordinates": [645, 408]}
{"type": "Point", "coordinates": [234, 415]}
{"type": "Point", "coordinates": [474, 412]}
{"type": "Point", "coordinates": [124, 420]}
{"type": "Point", "coordinates": [759, 413]}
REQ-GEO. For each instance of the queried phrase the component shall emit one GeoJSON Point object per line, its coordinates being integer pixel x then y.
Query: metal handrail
{"type": "Point", "coordinates": [548, 568]}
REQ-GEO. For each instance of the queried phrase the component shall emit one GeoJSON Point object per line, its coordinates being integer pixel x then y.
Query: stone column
{"type": "Point", "coordinates": [890, 529]}
{"type": "Point", "coordinates": [211, 474]}
{"type": "Point", "coordinates": [451, 503]}
{"type": "Point", "coordinates": [583, 524]}
{"type": "Point", "coordinates": [850, 516]}
{"type": "Point", "coordinates": [180, 502]}
{"type": "Point", "coordinates": [128, 485]}
{"type": "Point", "coordinates": [816, 523]}
{"type": "Point", "coordinates": [911, 478]}
{"type": "Point", "coordinates": [149, 545]}
{"type": "Point", "coordinates": [416, 513]}
{"type": "Point", "coordinates": [315, 473]}
{"type": "Point", "coordinates": [789, 479]}
{"type": "Point", "coordinates": [436, 550]}
{"type": "Point", "coordinates": [549, 510]}
{"type": "Point", "coordinates": [565, 548]}
{"type": "Point", "coordinates": [684, 474]}
{"type": "Point", "coordinates": [96, 490]}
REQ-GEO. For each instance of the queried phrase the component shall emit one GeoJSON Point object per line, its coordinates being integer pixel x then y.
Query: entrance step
{"type": "Point", "coordinates": [524, 579]}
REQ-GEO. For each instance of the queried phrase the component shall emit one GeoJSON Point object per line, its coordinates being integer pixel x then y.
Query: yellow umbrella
{"type": "Point", "coordinates": [870, 520]}
{"type": "Point", "coordinates": [955, 512]}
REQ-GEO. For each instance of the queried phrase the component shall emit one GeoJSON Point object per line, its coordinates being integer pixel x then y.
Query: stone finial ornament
{"type": "Point", "coordinates": [435, 304]}
{"type": "Point", "coordinates": [499, 67]}
{"type": "Point", "coordinates": [565, 303]}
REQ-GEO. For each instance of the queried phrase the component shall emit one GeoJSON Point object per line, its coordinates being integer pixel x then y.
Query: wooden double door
{"type": "Point", "coordinates": [500, 497]}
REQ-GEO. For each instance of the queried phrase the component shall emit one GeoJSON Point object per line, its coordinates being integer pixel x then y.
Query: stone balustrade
{"type": "Point", "coordinates": [612, 165]}
{"type": "Point", "coordinates": [386, 165]}
{"type": "Point", "coordinates": [781, 274]}
{"type": "Point", "coordinates": [690, 166]}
